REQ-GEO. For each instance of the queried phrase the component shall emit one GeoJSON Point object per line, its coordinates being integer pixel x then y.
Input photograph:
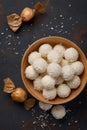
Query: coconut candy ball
{"type": "Point", "coordinates": [54, 56]}
{"type": "Point", "coordinates": [71, 54]}
{"type": "Point", "coordinates": [78, 67]}
{"type": "Point", "coordinates": [38, 84]}
{"type": "Point", "coordinates": [49, 94]}
{"type": "Point", "coordinates": [30, 73]}
{"type": "Point", "coordinates": [58, 112]}
{"type": "Point", "coordinates": [67, 72]}
{"type": "Point", "coordinates": [45, 49]}
{"type": "Point", "coordinates": [63, 90]}
{"type": "Point", "coordinates": [60, 48]}
{"type": "Point", "coordinates": [33, 56]}
{"type": "Point", "coordinates": [45, 106]}
{"type": "Point", "coordinates": [74, 83]}
{"type": "Point", "coordinates": [54, 70]}
{"type": "Point", "coordinates": [48, 82]}
{"type": "Point", "coordinates": [40, 65]}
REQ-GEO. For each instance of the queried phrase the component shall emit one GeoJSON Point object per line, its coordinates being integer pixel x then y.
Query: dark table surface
{"type": "Point", "coordinates": [66, 18]}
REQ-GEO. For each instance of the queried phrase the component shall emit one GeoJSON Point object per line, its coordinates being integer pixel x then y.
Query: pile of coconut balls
{"type": "Point", "coordinates": [55, 71]}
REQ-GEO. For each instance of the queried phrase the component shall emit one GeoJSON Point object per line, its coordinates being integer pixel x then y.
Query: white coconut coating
{"type": "Point", "coordinates": [38, 84]}
{"type": "Point", "coordinates": [58, 111]}
{"type": "Point", "coordinates": [40, 65]}
{"type": "Point", "coordinates": [59, 80]}
{"type": "Point", "coordinates": [67, 72]}
{"type": "Point", "coordinates": [48, 82]}
{"type": "Point", "coordinates": [45, 106]}
{"type": "Point", "coordinates": [78, 67]}
{"type": "Point", "coordinates": [49, 94]}
{"type": "Point", "coordinates": [30, 73]}
{"type": "Point", "coordinates": [71, 54]}
{"type": "Point", "coordinates": [54, 70]}
{"type": "Point", "coordinates": [74, 83]}
{"type": "Point", "coordinates": [54, 56]}
{"type": "Point", "coordinates": [63, 90]}
{"type": "Point", "coordinates": [60, 48]}
{"type": "Point", "coordinates": [45, 49]}
{"type": "Point", "coordinates": [33, 56]}
{"type": "Point", "coordinates": [64, 62]}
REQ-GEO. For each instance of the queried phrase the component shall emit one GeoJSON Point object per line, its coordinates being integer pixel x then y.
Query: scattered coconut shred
{"type": "Point", "coordinates": [44, 119]}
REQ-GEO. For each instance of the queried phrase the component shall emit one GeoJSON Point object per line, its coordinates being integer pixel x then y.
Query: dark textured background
{"type": "Point", "coordinates": [67, 18]}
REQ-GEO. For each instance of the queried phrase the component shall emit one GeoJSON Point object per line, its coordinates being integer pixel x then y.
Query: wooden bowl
{"type": "Point", "coordinates": [53, 40]}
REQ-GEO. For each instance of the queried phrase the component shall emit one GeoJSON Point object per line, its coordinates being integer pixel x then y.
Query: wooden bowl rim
{"type": "Point", "coordinates": [37, 94]}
